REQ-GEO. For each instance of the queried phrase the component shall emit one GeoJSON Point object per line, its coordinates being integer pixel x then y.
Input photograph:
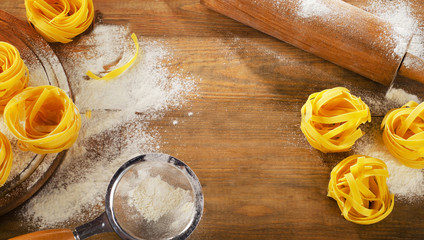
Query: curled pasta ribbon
{"type": "Point", "coordinates": [13, 73]}
{"type": "Point", "coordinates": [6, 158]}
{"type": "Point", "coordinates": [43, 119]}
{"type": "Point", "coordinates": [60, 20]}
{"type": "Point", "coordinates": [403, 134]}
{"type": "Point", "coordinates": [330, 119]}
{"type": "Point", "coordinates": [358, 184]}
{"type": "Point", "coordinates": [116, 72]}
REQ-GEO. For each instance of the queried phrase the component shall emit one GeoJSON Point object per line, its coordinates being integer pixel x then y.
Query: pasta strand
{"type": "Point", "coordinates": [116, 72]}
{"type": "Point", "coordinates": [358, 184]}
{"type": "Point", "coordinates": [330, 119]}
{"type": "Point", "coordinates": [14, 74]}
{"type": "Point", "coordinates": [6, 158]}
{"type": "Point", "coordinates": [60, 20]}
{"type": "Point", "coordinates": [403, 134]}
{"type": "Point", "coordinates": [43, 119]}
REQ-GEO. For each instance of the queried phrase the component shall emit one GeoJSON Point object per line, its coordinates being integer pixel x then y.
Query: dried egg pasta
{"type": "Point", "coordinates": [403, 134]}
{"type": "Point", "coordinates": [60, 20]}
{"type": "Point", "coordinates": [116, 72]}
{"type": "Point", "coordinates": [330, 119]}
{"type": "Point", "coordinates": [43, 119]}
{"type": "Point", "coordinates": [358, 184]}
{"type": "Point", "coordinates": [6, 158]}
{"type": "Point", "coordinates": [13, 73]}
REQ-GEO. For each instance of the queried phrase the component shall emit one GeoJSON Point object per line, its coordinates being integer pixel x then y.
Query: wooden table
{"type": "Point", "coordinates": [260, 177]}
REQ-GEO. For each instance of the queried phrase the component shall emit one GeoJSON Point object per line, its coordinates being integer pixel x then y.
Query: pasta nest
{"type": "Point", "coordinates": [60, 20]}
{"type": "Point", "coordinates": [43, 119]}
{"type": "Point", "coordinates": [358, 184]}
{"type": "Point", "coordinates": [14, 74]}
{"type": "Point", "coordinates": [6, 158]}
{"type": "Point", "coordinates": [330, 119]}
{"type": "Point", "coordinates": [403, 134]}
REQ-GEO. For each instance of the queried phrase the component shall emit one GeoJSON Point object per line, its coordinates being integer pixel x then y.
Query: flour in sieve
{"type": "Point", "coordinates": [154, 198]}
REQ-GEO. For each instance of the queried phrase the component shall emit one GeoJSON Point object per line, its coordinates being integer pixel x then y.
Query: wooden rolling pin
{"type": "Point", "coordinates": [334, 30]}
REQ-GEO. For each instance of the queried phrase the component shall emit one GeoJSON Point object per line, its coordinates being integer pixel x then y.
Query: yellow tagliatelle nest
{"type": "Point", "coordinates": [330, 119]}
{"type": "Point", "coordinates": [403, 134]}
{"type": "Point", "coordinates": [118, 71]}
{"type": "Point", "coordinates": [60, 20]}
{"type": "Point", "coordinates": [13, 73]}
{"type": "Point", "coordinates": [43, 119]}
{"type": "Point", "coordinates": [6, 158]}
{"type": "Point", "coordinates": [358, 184]}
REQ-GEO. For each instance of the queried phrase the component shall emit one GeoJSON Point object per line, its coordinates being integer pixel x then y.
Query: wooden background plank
{"type": "Point", "coordinates": [260, 177]}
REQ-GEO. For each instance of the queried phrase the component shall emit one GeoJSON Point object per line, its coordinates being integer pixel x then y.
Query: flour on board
{"type": "Point", "coordinates": [119, 127]}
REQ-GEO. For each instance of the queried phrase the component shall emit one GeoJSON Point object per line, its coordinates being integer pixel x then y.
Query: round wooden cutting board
{"type": "Point", "coordinates": [30, 171]}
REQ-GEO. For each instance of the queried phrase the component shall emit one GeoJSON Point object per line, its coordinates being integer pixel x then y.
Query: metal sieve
{"type": "Point", "coordinates": [122, 218]}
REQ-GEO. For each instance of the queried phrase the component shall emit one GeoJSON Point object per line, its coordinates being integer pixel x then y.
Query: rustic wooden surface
{"type": "Point", "coordinates": [260, 177]}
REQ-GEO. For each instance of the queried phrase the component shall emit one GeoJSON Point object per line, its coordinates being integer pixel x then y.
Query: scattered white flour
{"type": "Point", "coordinates": [406, 183]}
{"type": "Point", "coordinates": [190, 114]}
{"type": "Point", "coordinates": [154, 198]}
{"type": "Point", "coordinates": [119, 127]}
{"type": "Point", "coordinates": [411, 63]}
{"type": "Point", "coordinates": [401, 15]}
{"type": "Point", "coordinates": [140, 89]}
{"type": "Point", "coordinates": [311, 8]}
{"type": "Point", "coordinates": [175, 122]}
{"type": "Point", "coordinates": [400, 96]}
{"type": "Point", "coordinates": [395, 38]}
{"type": "Point", "coordinates": [394, 98]}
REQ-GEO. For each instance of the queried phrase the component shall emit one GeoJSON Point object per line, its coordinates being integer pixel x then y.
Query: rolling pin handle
{"type": "Point", "coordinates": [62, 234]}
{"type": "Point", "coordinates": [412, 67]}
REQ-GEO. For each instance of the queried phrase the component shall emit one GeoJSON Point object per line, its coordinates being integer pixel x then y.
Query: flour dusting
{"type": "Point", "coordinates": [119, 126]}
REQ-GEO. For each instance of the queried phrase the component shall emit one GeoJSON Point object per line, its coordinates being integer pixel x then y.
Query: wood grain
{"type": "Point", "coordinates": [260, 177]}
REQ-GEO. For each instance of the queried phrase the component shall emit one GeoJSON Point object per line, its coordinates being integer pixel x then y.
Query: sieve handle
{"type": "Point", "coordinates": [98, 225]}
{"type": "Point", "coordinates": [54, 234]}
